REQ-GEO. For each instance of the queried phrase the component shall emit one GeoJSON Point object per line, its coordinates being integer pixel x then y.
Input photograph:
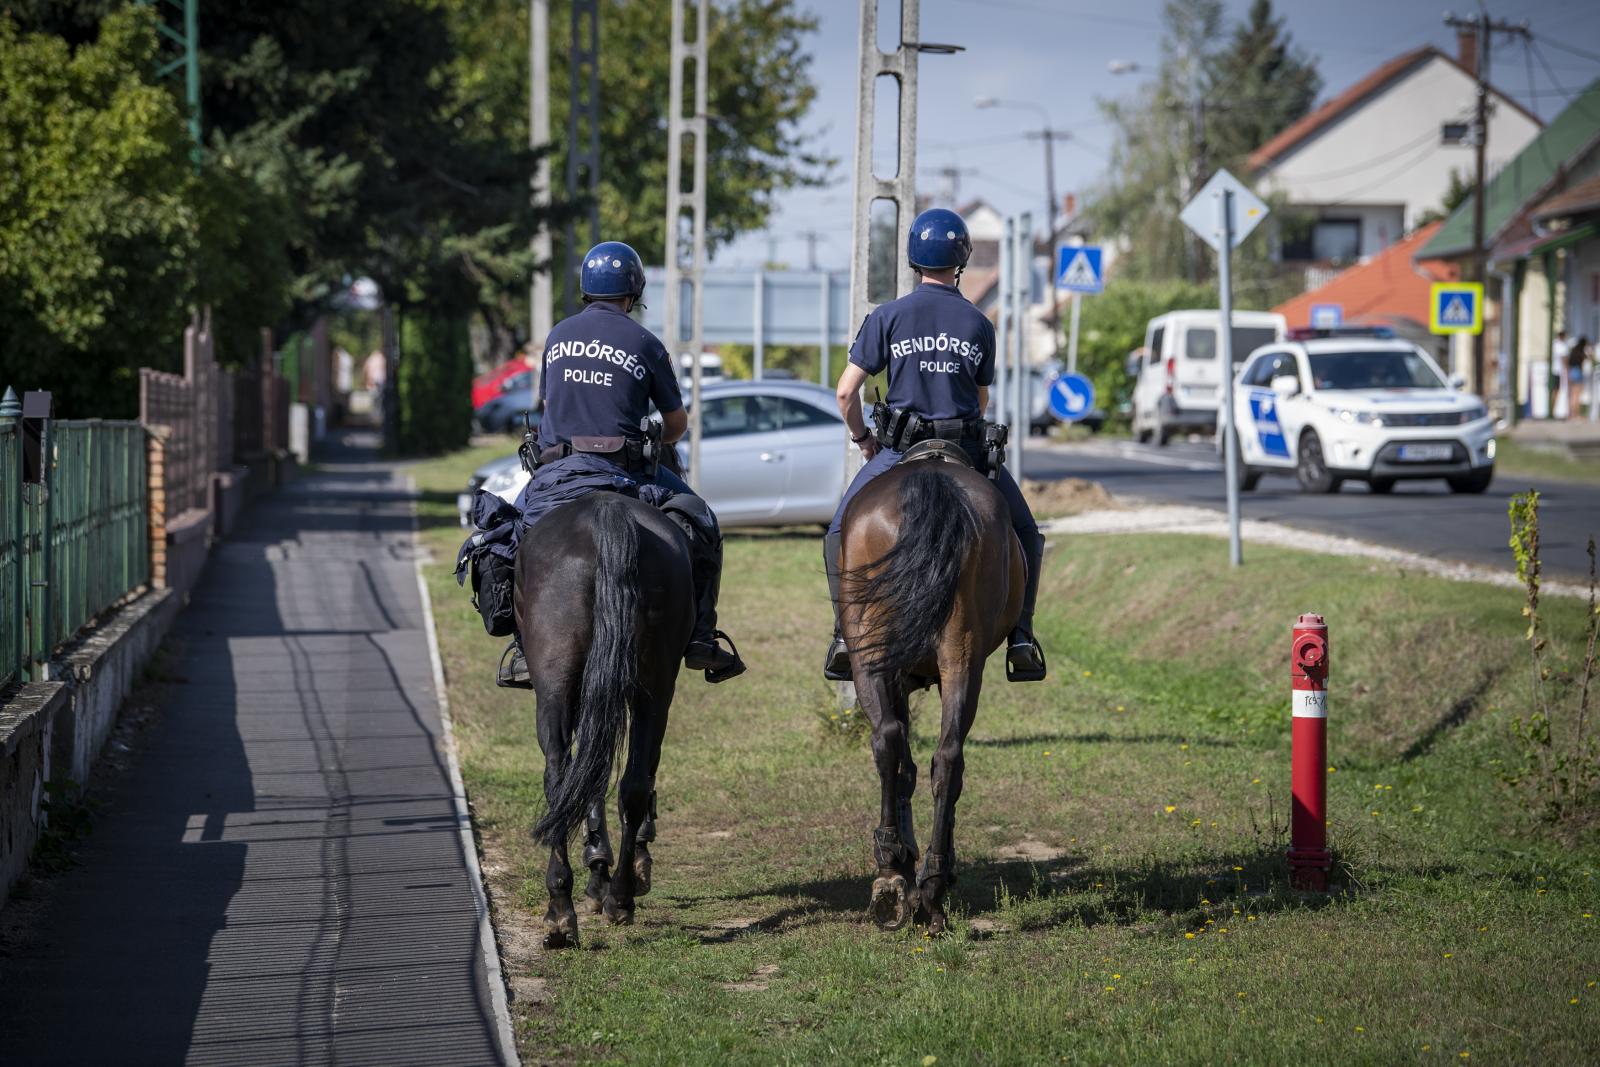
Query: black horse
{"type": "Point", "coordinates": [605, 606]}
{"type": "Point", "coordinates": [932, 583]}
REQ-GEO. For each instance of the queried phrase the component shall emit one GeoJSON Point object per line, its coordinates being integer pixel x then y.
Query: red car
{"type": "Point", "coordinates": [486, 387]}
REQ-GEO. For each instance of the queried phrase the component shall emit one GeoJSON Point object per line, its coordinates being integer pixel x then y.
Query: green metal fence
{"type": "Point", "coordinates": [73, 547]}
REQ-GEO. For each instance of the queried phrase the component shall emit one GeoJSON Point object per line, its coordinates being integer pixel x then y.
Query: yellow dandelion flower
{"type": "Point", "coordinates": [1466, 1055]}
{"type": "Point", "coordinates": [1255, 781]}
{"type": "Point", "coordinates": [1195, 823]}
{"type": "Point", "coordinates": [1249, 918]}
{"type": "Point", "coordinates": [1116, 978]}
{"type": "Point", "coordinates": [1574, 1000]}
{"type": "Point", "coordinates": [1111, 989]}
{"type": "Point", "coordinates": [1540, 892]}
{"type": "Point", "coordinates": [1361, 1029]}
{"type": "Point", "coordinates": [1589, 986]}
{"type": "Point", "coordinates": [1319, 1019]}
{"type": "Point", "coordinates": [929, 1061]}
{"type": "Point", "coordinates": [1222, 929]}
{"type": "Point", "coordinates": [1183, 747]}
{"type": "Point", "coordinates": [1375, 813]}
{"type": "Point", "coordinates": [1331, 769]}
{"type": "Point", "coordinates": [1189, 935]}
{"type": "Point", "coordinates": [1426, 1047]}
{"type": "Point", "coordinates": [1088, 674]}
{"type": "Point", "coordinates": [1121, 708]}
{"type": "Point", "coordinates": [1238, 868]}
{"type": "Point", "coordinates": [1586, 915]}
{"type": "Point", "coordinates": [1448, 955]}
{"type": "Point", "coordinates": [1241, 996]}
{"type": "Point", "coordinates": [1483, 929]}
{"type": "Point", "coordinates": [1047, 752]}
{"type": "Point", "coordinates": [1171, 808]}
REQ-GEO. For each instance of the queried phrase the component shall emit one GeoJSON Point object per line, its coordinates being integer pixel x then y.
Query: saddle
{"type": "Point", "coordinates": [937, 450]}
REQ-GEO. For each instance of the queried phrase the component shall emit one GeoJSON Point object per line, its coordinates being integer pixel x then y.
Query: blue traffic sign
{"type": "Point", "coordinates": [1071, 397]}
{"type": "Point", "coordinates": [1327, 316]}
{"type": "Point", "coordinates": [1078, 269]}
{"type": "Point", "coordinates": [1455, 307]}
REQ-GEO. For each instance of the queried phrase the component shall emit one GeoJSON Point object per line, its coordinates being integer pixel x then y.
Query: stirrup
{"type": "Point", "coordinates": [836, 664]}
{"type": "Point", "coordinates": [513, 673]}
{"type": "Point", "coordinates": [1024, 659]}
{"type": "Point", "coordinates": [731, 666]}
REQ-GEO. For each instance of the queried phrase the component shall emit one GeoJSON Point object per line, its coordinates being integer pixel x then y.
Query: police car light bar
{"type": "Point", "coordinates": [1311, 333]}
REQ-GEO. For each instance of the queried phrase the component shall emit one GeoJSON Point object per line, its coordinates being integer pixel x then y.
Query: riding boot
{"type": "Point", "coordinates": [596, 840]}
{"type": "Point", "coordinates": [703, 652]}
{"type": "Point", "coordinates": [1024, 657]}
{"type": "Point", "coordinates": [836, 664]}
{"type": "Point", "coordinates": [513, 672]}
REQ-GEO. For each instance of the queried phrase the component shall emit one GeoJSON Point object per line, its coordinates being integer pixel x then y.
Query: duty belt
{"type": "Point", "coordinates": [633, 454]}
{"type": "Point", "coordinates": [898, 429]}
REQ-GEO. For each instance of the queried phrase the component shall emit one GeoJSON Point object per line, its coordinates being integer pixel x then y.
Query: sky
{"type": "Point", "coordinates": [1055, 54]}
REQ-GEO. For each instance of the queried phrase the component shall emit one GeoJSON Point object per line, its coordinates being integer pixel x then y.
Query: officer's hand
{"type": "Point", "coordinates": [869, 447]}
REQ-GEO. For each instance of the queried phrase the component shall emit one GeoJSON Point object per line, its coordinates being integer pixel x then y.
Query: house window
{"type": "Point", "coordinates": [1455, 133]}
{"type": "Point", "coordinates": [1337, 240]}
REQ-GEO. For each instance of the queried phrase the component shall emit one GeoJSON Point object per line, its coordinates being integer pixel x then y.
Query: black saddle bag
{"type": "Point", "coordinates": [493, 593]}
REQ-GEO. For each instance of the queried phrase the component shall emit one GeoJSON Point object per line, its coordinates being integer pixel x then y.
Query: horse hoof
{"type": "Point", "coordinates": [641, 873]}
{"type": "Point", "coordinates": [616, 913]}
{"type": "Point", "coordinates": [562, 933]}
{"type": "Point", "coordinates": [937, 924]}
{"type": "Point", "coordinates": [891, 906]}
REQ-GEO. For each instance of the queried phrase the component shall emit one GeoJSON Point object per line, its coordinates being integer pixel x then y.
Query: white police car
{"type": "Point", "coordinates": [1373, 409]}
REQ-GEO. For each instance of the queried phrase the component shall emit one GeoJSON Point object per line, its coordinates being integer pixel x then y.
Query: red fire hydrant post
{"type": "Point", "coordinates": [1309, 858]}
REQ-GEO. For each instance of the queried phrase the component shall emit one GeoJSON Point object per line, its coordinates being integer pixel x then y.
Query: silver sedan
{"type": "Point", "coordinates": [772, 453]}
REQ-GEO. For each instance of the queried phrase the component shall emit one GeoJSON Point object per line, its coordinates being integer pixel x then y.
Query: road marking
{"type": "Point", "coordinates": [1133, 453]}
{"type": "Point", "coordinates": [487, 946]}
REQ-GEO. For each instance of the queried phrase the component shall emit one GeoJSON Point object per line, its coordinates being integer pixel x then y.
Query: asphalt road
{"type": "Point", "coordinates": [1422, 516]}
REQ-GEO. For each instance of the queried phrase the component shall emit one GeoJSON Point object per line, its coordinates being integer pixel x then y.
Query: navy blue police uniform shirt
{"type": "Point", "coordinates": [939, 349]}
{"type": "Point", "coordinates": [600, 374]}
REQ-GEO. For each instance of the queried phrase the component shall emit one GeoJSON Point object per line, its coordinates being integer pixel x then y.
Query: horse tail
{"type": "Point", "coordinates": [912, 587]}
{"type": "Point", "coordinates": [609, 673]}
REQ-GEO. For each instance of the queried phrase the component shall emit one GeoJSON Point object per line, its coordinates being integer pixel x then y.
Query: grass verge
{"type": "Point", "coordinates": [1522, 461]}
{"type": "Point", "coordinates": [1122, 889]}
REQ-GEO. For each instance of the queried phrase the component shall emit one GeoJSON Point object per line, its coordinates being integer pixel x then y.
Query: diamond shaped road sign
{"type": "Point", "coordinates": [1205, 219]}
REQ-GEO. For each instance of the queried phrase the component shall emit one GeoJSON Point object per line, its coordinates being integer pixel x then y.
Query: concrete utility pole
{"type": "Point", "coordinates": [583, 137]}
{"type": "Point", "coordinates": [1022, 282]}
{"type": "Point", "coordinates": [1484, 27]}
{"type": "Point", "coordinates": [678, 125]}
{"type": "Point", "coordinates": [899, 188]}
{"type": "Point", "coordinates": [540, 291]}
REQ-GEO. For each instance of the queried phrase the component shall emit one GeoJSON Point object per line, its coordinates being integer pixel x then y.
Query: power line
{"type": "Point", "coordinates": [1568, 48]}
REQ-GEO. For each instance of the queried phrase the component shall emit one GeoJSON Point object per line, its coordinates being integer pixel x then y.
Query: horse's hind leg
{"type": "Point", "coordinates": [555, 738]}
{"type": "Point", "coordinates": [959, 697]}
{"type": "Point", "coordinates": [636, 804]}
{"type": "Point", "coordinates": [892, 900]}
{"type": "Point", "coordinates": [597, 852]}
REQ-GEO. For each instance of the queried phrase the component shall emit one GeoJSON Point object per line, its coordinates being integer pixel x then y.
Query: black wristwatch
{"type": "Point", "coordinates": [863, 437]}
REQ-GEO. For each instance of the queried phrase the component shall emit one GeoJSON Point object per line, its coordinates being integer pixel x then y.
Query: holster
{"type": "Point", "coordinates": [995, 436]}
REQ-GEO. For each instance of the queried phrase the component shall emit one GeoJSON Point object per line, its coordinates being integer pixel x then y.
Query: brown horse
{"type": "Point", "coordinates": [932, 583]}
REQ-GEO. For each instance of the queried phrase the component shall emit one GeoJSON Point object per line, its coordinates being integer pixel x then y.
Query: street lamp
{"type": "Point", "coordinates": [1048, 134]}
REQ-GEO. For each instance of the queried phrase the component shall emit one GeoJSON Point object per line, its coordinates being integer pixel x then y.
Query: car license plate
{"type": "Point", "coordinates": [1425, 453]}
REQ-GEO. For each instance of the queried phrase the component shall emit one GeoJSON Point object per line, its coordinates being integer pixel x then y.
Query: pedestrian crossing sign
{"type": "Point", "coordinates": [1078, 269]}
{"type": "Point", "coordinates": [1455, 307]}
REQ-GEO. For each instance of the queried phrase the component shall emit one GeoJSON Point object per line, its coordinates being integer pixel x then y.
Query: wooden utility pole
{"type": "Point", "coordinates": [1484, 27]}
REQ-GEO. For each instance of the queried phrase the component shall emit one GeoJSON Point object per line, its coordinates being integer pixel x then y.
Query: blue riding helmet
{"type": "Point", "coordinates": [938, 241]}
{"type": "Point", "coordinates": [612, 270]}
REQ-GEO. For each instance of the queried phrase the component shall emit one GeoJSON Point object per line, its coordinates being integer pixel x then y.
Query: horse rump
{"type": "Point", "coordinates": [609, 672]}
{"type": "Point", "coordinates": [908, 593]}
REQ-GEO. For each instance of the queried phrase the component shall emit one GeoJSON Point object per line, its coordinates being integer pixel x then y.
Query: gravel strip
{"type": "Point", "coordinates": [1172, 518]}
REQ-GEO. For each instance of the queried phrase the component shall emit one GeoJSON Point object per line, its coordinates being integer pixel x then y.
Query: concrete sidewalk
{"type": "Point", "coordinates": [285, 874]}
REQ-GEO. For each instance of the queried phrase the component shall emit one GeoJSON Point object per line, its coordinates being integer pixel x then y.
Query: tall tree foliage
{"type": "Point", "coordinates": [98, 225]}
{"type": "Point", "coordinates": [1216, 98]}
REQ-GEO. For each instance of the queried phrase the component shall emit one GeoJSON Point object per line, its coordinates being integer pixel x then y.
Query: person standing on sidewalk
{"type": "Point", "coordinates": [1560, 349]}
{"type": "Point", "coordinates": [1576, 373]}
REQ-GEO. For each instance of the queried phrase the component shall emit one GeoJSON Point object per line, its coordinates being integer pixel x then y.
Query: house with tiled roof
{"type": "Point", "coordinates": [1390, 289]}
{"type": "Point", "coordinates": [1541, 226]}
{"type": "Point", "coordinates": [1359, 172]}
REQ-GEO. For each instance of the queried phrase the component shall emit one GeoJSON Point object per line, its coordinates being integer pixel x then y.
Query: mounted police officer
{"type": "Point", "coordinates": [601, 373]}
{"type": "Point", "coordinates": [939, 351]}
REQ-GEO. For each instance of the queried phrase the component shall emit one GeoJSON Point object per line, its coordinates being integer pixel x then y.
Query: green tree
{"type": "Point", "coordinates": [435, 383]}
{"type": "Point", "coordinates": [1208, 107]}
{"type": "Point", "coordinates": [1454, 197]}
{"type": "Point", "coordinates": [98, 225]}
{"type": "Point", "coordinates": [1259, 85]}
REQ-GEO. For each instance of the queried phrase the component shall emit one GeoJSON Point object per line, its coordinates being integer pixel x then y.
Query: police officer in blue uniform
{"type": "Point", "coordinates": [601, 373]}
{"type": "Point", "coordinates": [939, 351]}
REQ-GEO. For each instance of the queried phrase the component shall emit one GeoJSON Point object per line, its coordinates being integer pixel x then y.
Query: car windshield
{"type": "Point", "coordinates": [1201, 342]}
{"type": "Point", "coordinates": [1373, 370]}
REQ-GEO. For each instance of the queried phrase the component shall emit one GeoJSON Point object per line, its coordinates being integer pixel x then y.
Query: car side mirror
{"type": "Point", "coordinates": [1458, 382]}
{"type": "Point", "coordinates": [1285, 385]}
{"type": "Point", "coordinates": [1133, 362]}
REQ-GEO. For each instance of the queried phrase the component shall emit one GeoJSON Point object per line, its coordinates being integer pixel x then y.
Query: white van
{"type": "Point", "coordinates": [1178, 387]}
